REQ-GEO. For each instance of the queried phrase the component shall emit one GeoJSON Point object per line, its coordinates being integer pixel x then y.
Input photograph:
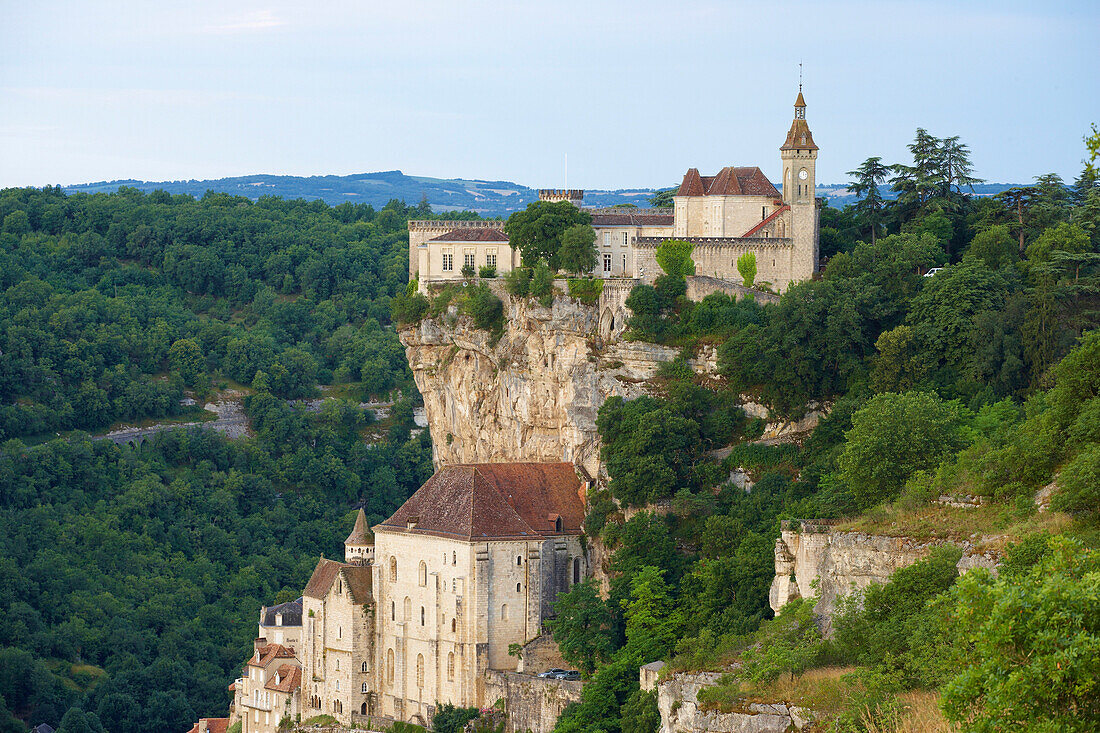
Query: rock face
{"type": "Point", "coordinates": [532, 703]}
{"type": "Point", "coordinates": [532, 396]}
{"type": "Point", "coordinates": [678, 703]}
{"type": "Point", "coordinates": [842, 562]}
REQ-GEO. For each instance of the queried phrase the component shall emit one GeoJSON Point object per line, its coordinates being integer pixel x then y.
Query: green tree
{"type": "Point", "coordinates": [537, 230]}
{"type": "Point", "coordinates": [994, 246]}
{"type": "Point", "coordinates": [185, 357]}
{"type": "Point", "coordinates": [957, 168]}
{"type": "Point", "coordinates": [746, 266]}
{"type": "Point", "coordinates": [894, 435]}
{"type": "Point", "coordinates": [1032, 646]}
{"type": "Point", "coordinates": [674, 257]}
{"type": "Point", "coordinates": [870, 205]}
{"type": "Point", "coordinates": [663, 198]}
{"type": "Point", "coordinates": [790, 643]}
{"type": "Point", "coordinates": [1061, 238]}
{"type": "Point", "coordinates": [653, 622]}
{"type": "Point", "coordinates": [640, 713]}
{"type": "Point", "coordinates": [582, 627]}
{"type": "Point", "coordinates": [578, 249]}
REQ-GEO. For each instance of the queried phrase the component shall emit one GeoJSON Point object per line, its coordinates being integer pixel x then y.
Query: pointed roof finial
{"type": "Point", "coordinates": [799, 77]}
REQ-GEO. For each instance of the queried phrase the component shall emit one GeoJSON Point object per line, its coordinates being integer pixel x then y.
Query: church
{"type": "Point", "coordinates": [429, 600]}
{"type": "Point", "coordinates": [735, 211]}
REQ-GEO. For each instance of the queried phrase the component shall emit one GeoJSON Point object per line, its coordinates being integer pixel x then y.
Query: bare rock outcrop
{"type": "Point", "coordinates": [534, 394]}
{"type": "Point", "coordinates": [678, 703]}
{"type": "Point", "coordinates": [843, 562]}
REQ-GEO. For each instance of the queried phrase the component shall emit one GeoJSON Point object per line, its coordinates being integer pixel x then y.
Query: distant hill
{"type": "Point", "coordinates": [488, 198]}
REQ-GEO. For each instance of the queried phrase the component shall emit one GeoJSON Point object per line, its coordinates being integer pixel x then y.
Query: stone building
{"type": "Point", "coordinates": [338, 630]}
{"type": "Point", "coordinates": [468, 566]}
{"type": "Point", "coordinates": [738, 210]}
{"type": "Point", "coordinates": [282, 624]}
{"type": "Point", "coordinates": [268, 691]}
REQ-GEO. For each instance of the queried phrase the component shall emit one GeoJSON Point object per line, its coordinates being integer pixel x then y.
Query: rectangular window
{"type": "Point", "coordinates": [607, 263]}
{"type": "Point", "coordinates": [491, 259]}
{"type": "Point", "coordinates": [624, 263]}
{"type": "Point", "coordinates": [607, 239]}
{"type": "Point", "coordinates": [626, 239]}
{"type": "Point", "coordinates": [448, 262]}
{"type": "Point", "coordinates": [763, 212]}
{"type": "Point", "coordinates": [468, 259]}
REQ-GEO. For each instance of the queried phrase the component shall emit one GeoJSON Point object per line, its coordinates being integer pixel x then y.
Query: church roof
{"type": "Point", "coordinates": [801, 101]}
{"type": "Point", "coordinates": [472, 235]}
{"type": "Point", "coordinates": [360, 533]}
{"type": "Point", "coordinates": [357, 578]}
{"type": "Point", "coordinates": [730, 181]}
{"type": "Point", "coordinates": [494, 501]}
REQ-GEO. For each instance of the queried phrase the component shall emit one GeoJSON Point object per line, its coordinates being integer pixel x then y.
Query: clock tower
{"type": "Point", "coordinates": [799, 155]}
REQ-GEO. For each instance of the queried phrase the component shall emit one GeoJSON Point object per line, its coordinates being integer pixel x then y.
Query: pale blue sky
{"type": "Point", "coordinates": [633, 92]}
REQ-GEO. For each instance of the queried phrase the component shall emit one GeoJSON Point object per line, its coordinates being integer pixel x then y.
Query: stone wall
{"type": "Point", "coordinates": [532, 703]}
{"type": "Point", "coordinates": [541, 654]}
{"type": "Point", "coordinates": [843, 562]}
{"type": "Point", "coordinates": [700, 286]}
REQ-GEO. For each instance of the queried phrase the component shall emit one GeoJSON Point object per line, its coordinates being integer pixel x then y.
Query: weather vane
{"type": "Point", "coordinates": [799, 77]}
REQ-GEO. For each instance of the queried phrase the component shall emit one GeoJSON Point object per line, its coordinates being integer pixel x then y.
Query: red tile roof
{"type": "Point", "coordinates": [472, 235]}
{"type": "Point", "coordinates": [764, 222]}
{"type": "Point", "coordinates": [290, 678]}
{"type": "Point", "coordinates": [359, 579]}
{"type": "Point", "coordinates": [217, 725]}
{"type": "Point", "coordinates": [266, 654]}
{"type": "Point", "coordinates": [494, 501]}
{"type": "Point", "coordinates": [730, 181]}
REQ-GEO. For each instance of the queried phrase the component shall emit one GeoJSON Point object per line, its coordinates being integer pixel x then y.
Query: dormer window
{"type": "Point", "coordinates": [412, 521]}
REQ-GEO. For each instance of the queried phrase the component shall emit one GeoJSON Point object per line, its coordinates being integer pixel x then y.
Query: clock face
{"type": "Point", "coordinates": [802, 174]}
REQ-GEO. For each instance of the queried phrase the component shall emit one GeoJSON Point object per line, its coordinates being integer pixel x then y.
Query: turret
{"type": "Point", "coordinates": [799, 156]}
{"type": "Point", "coordinates": [359, 546]}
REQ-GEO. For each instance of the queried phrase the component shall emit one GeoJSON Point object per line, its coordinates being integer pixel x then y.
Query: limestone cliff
{"type": "Point", "coordinates": [534, 394]}
{"type": "Point", "coordinates": [842, 562]}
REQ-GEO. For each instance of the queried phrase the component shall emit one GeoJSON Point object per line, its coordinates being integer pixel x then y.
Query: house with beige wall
{"type": "Point", "coordinates": [268, 691]}
{"type": "Point", "coordinates": [735, 211]}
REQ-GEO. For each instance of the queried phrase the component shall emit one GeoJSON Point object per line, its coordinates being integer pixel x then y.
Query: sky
{"type": "Point", "coordinates": [585, 94]}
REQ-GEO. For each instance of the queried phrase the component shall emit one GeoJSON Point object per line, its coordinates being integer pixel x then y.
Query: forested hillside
{"type": "Point", "coordinates": [980, 380]}
{"type": "Point", "coordinates": [131, 578]}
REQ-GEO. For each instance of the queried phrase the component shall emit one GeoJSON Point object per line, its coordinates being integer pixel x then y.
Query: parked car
{"type": "Point", "coordinates": [933, 271]}
{"type": "Point", "coordinates": [551, 673]}
{"type": "Point", "coordinates": [572, 675]}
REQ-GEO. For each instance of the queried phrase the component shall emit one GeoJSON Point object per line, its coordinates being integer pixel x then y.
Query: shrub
{"type": "Point", "coordinates": [409, 308]}
{"type": "Point", "coordinates": [486, 309]}
{"type": "Point", "coordinates": [586, 290]}
{"type": "Point", "coordinates": [518, 282]}
{"type": "Point", "coordinates": [467, 271]}
{"type": "Point", "coordinates": [542, 283]}
{"type": "Point", "coordinates": [674, 257]}
{"type": "Point", "coordinates": [746, 265]}
{"type": "Point", "coordinates": [487, 271]}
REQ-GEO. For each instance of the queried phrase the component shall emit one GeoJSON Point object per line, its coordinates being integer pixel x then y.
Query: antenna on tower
{"type": "Point", "coordinates": [800, 77]}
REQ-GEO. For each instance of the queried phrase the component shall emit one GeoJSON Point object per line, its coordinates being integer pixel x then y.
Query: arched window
{"type": "Point", "coordinates": [393, 569]}
{"type": "Point", "coordinates": [454, 625]}
{"type": "Point", "coordinates": [518, 586]}
{"type": "Point", "coordinates": [337, 685]}
{"type": "Point", "coordinates": [365, 669]}
{"type": "Point", "coordinates": [389, 666]}
{"type": "Point", "coordinates": [363, 689]}
{"type": "Point", "coordinates": [451, 666]}
{"type": "Point", "coordinates": [423, 573]}
{"type": "Point", "coordinates": [408, 609]}
{"type": "Point", "coordinates": [519, 559]}
{"type": "Point", "coordinates": [557, 525]}
{"type": "Point", "coordinates": [421, 615]}
{"type": "Point", "coordinates": [576, 570]}
{"type": "Point", "coordinates": [363, 709]}
{"type": "Point", "coordinates": [419, 670]}
{"type": "Point", "coordinates": [337, 668]}
{"type": "Point", "coordinates": [393, 611]}
{"type": "Point", "coordinates": [504, 612]}
{"type": "Point", "coordinates": [454, 558]}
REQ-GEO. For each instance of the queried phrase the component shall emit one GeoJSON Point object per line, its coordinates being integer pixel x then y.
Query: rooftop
{"type": "Point", "coordinates": [494, 501]}
{"type": "Point", "coordinates": [471, 235]}
{"type": "Point", "coordinates": [730, 181]}
{"type": "Point", "coordinates": [291, 612]}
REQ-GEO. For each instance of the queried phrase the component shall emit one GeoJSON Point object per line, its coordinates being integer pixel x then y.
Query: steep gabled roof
{"type": "Point", "coordinates": [730, 181]}
{"type": "Point", "coordinates": [322, 578]}
{"type": "Point", "coordinates": [494, 501]}
{"type": "Point", "coordinates": [799, 137]}
{"type": "Point", "coordinates": [269, 652]}
{"type": "Point", "coordinates": [359, 580]}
